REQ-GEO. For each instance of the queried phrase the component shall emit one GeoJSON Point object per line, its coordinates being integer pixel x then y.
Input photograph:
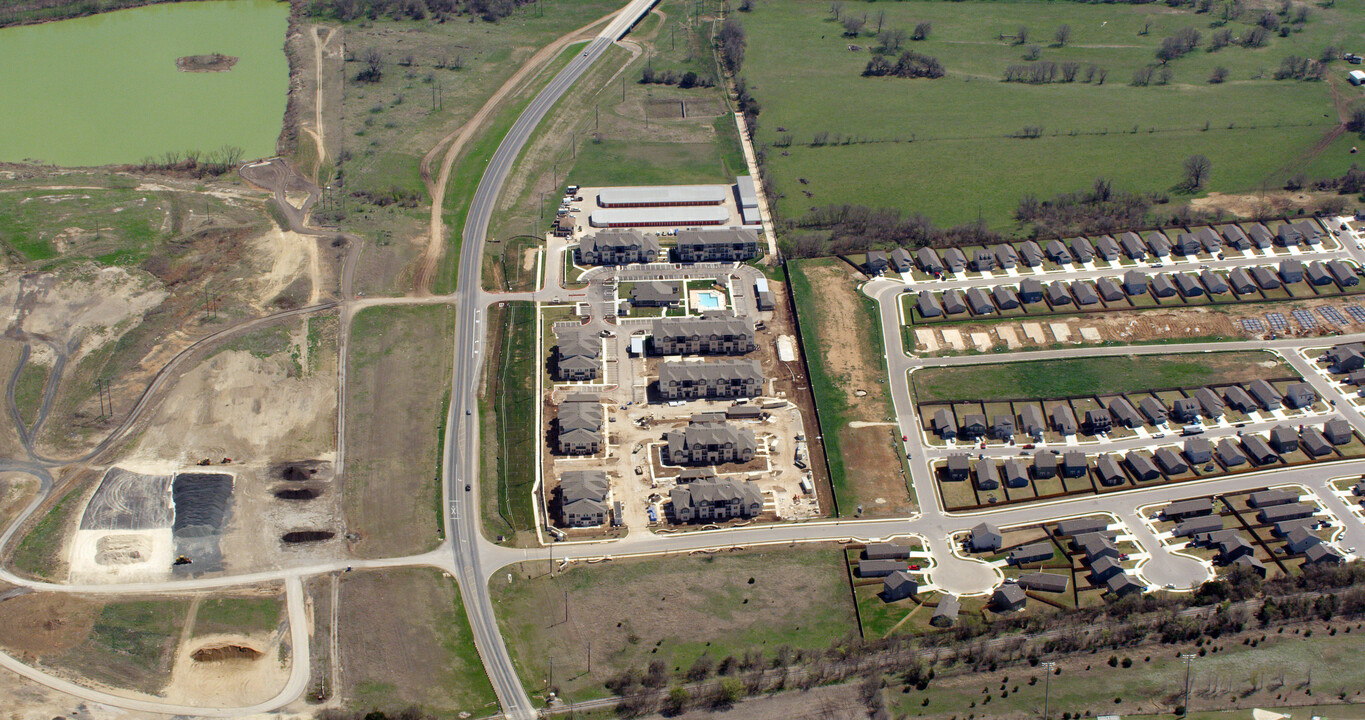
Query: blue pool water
{"type": "Point", "coordinates": [708, 301]}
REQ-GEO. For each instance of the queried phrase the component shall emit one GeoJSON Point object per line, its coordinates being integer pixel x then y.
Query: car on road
{"type": "Point", "coordinates": [1029, 446]}
{"type": "Point", "coordinates": [468, 487]}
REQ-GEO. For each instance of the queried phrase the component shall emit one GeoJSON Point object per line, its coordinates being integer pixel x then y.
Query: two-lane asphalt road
{"type": "Point", "coordinates": [461, 461]}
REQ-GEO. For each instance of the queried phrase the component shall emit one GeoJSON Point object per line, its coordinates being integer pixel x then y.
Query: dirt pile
{"type": "Point", "coordinates": [220, 653]}
{"type": "Point", "coordinates": [201, 503]}
{"type": "Point", "coordinates": [307, 536]}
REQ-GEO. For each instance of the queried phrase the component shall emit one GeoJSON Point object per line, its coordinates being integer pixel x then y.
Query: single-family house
{"type": "Point", "coordinates": [987, 475]}
{"type": "Point", "coordinates": [1002, 426]}
{"type": "Point", "coordinates": [1310, 231]}
{"type": "Point", "coordinates": [1073, 464]}
{"type": "Point", "coordinates": [943, 424]}
{"type": "Point", "coordinates": [1133, 246]}
{"type": "Point", "coordinates": [1241, 281]}
{"type": "Point", "coordinates": [1104, 568]}
{"type": "Point", "coordinates": [879, 568]}
{"type": "Point", "coordinates": [1318, 275]}
{"type": "Point", "coordinates": [1300, 395]}
{"type": "Point", "coordinates": [1265, 277]}
{"type": "Point", "coordinates": [1209, 239]}
{"type": "Point", "coordinates": [1031, 421]}
{"type": "Point", "coordinates": [1016, 473]}
{"type": "Point", "coordinates": [1260, 236]}
{"type": "Point", "coordinates": [1142, 466]}
{"type": "Point", "coordinates": [1098, 421]}
{"type": "Point", "coordinates": [1186, 244]}
{"type": "Point", "coordinates": [1291, 271]}
{"type": "Point", "coordinates": [1238, 399]}
{"type": "Point", "coordinates": [1288, 511]}
{"type": "Point", "coordinates": [1253, 565]}
{"type": "Point", "coordinates": [928, 305]}
{"type": "Point", "coordinates": [1085, 293]}
{"type": "Point", "coordinates": [953, 304]}
{"type": "Point", "coordinates": [1109, 471]}
{"type": "Point", "coordinates": [1345, 358]}
{"type": "Point", "coordinates": [1337, 431]}
{"type": "Point", "coordinates": [1271, 498]}
{"type": "Point", "coordinates": [1031, 554]}
{"type": "Point", "coordinates": [1163, 286]}
{"type": "Point", "coordinates": [1300, 539]}
{"type": "Point", "coordinates": [1030, 254]}
{"type": "Point", "coordinates": [1315, 443]}
{"type": "Point", "coordinates": [1230, 453]}
{"type": "Point", "coordinates": [1265, 394]}
{"type": "Point", "coordinates": [899, 585]}
{"type": "Point", "coordinates": [1005, 255]}
{"type": "Point", "coordinates": [1184, 509]}
{"type": "Point", "coordinates": [1232, 547]}
{"type": "Point", "coordinates": [973, 425]}
{"type": "Point", "coordinates": [1063, 420]}
{"type": "Point", "coordinates": [902, 261]}
{"type": "Point", "coordinates": [1057, 252]}
{"type": "Point", "coordinates": [1209, 403]}
{"type": "Point", "coordinates": [1081, 249]}
{"type": "Point", "coordinates": [1236, 239]}
{"type": "Point", "coordinates": [1007, 598]}
{"type": "Point", "coordinates": [954, 260]}
{"type": "Point", "coordinates": [1030, 291]}
{"type": "Point", "coordinates": [945, 614]}
{"type": "Point", "coordinates": [1057, 294]}
{"type": "Point", "coordinates": [1135, 282]}
{"type": "Point", "coordinates": [1123, 413]}
{"type": "Point", "coordinates": [1044, 465]}
{"type": "Point", "coordinates": [876, 262]}
{"type": "Point", "coordinates": [1198, 526]}
{"type": "Point", "coordinates": [979, 301]}
{"type": "Point", "coordinates": [1096, 545]}
{"type": "Point", "coordinates": [1342, 273]}
{"type": "Point", "coordinates": [1122, 584]}
{"type": "Point", "coordinates": [929, 260]}
{"type": "Point", "coordinates": [1153, 409]}
{"type": "Point", "coordinates": [1044, 582]}
{"type": "Point", "coordinates": [1288, 236]}
{"type": "Point", "coordinates": [1198, 451]}
{"type": "Point", "coordinates": [1005, 297]}
{"type": "Point", "coordinates": [958, 467]}
{"type": "Point", "coordinates": [1110, 289]}
{"type": "Point", "coordinates": [983, 260]}
{"type": "Point", "coordinates": [1258, 450]}
{"type": "Point", "coordinates": [1185, 409]}
{"type": "Point", "coordinates": [1159, 244]}
{"type": "Point", "coordinates": [1107, 248]}
{"type": "Point", "coordinates": [1075, 527]}
{"type": "Point", "coordinates": [1321, 553]}
{"type": "Point", "coordinates": [1188, 285]}
{"type": "Point", "coordinates": [1213, 282]}
{"type": "Point", "coordinates": [1284, 439]}
{"type": "Point", "coordinates": [985, 537]}
{"type": "Point", "coordinates": [1170, 461]}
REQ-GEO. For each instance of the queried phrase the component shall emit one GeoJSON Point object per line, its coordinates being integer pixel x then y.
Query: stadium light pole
{"type": "Point", "coordinates": [1047, 684]}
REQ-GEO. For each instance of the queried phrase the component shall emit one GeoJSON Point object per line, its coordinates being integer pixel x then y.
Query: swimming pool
{"type": "Point", "coordinates": [708, 301]}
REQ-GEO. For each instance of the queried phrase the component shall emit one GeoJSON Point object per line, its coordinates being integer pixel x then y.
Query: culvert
{"type": "Point", "coordinates": [297, 494]}
{"type": "Point", "coordinates": [219, 653]}
{"type": "Point", "coordinates": [307, 536]}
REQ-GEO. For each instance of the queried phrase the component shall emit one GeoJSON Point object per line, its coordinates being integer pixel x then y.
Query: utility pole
{"type": "Point", "coordinates": [589, 657]}
{"type": "Point", "coordinates": [573, 143]}
{"type": "Point", "coordinates": [623, 88]}
{"type": "Point", "coordinates": [1188, 658]}
{"type": "Point", "coordinates": [595, 110]}
{"type": "Point", "coordinates": [566, 606]}
{"type": "Point", "coordinates": [1047, 685]}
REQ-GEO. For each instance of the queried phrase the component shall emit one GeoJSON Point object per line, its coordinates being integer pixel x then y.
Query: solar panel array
{"type": "Point", "coordinates": [1332, 315]}
{"type": "Point", "coordinates": [1304, 318]}
{"type": "Point", "coordinates": [1356, 312]}
{"type": "Point", "coordinates": [1253, 325]}
{"type": "Point", "coordinates": [1277, 322]}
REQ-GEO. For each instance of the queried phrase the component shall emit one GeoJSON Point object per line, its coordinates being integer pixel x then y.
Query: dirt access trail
{"type": "Point", "coordinates": [455, 141]}
{"type": "Point", "coordinates": [318, 131]}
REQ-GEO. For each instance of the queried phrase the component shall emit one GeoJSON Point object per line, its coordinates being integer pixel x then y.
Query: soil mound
{"type": "Point", "coordinates": [303, 470]}
{"type": "Point", "coordinates": [306, 536]}
{"type": "Point", "coordinates": [297, 494]}
{"type": "Point", "coordinates": [201, 503]}
{"type": "Point", "coordinates": [219, 653]}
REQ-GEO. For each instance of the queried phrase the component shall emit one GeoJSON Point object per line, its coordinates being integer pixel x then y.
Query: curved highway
{"type": "Point", "coordinates": [461, 461]}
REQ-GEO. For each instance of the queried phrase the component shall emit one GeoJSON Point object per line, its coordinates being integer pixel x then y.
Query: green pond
{"type": "Point", "coordinates": [104, 89]}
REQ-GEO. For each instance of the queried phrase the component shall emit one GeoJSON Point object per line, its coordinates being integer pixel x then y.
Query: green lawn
{"type": "Point", "coordinates": [1092, 376]}
{"type": "Point", "coordinates": [1257, 131]}
{"type": "Point", "coordinates": [40, 550]}
{"type": "Point", "coordinates": [509, 416]}
{"type": "Point", "coordinates": [237, 615]}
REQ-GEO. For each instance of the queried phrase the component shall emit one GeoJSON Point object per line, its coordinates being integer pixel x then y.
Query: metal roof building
{"type": "Point", "coordinates": [748, 194]}
{"type": "Point", "coordinates": [660, 216]}
{"type": "Point", "coordinates": [661, 196]}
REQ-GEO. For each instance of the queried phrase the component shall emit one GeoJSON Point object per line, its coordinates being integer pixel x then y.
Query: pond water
{"type": "Point", "coordinates": [104, 89]}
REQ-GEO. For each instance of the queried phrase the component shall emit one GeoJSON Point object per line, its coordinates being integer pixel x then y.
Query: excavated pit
{"type": "Point", "coordinates": [220, 653]}
{"type": "Point", "coordinates": [302, 470]}
{"type": "Point", "coordinates": [298, 493]}
{"type": "Point", "coordinates": [307, 536]}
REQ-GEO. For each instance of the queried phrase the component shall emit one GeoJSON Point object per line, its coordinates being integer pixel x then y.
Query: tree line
{"type": "Point", "coordinates": [440, 10]}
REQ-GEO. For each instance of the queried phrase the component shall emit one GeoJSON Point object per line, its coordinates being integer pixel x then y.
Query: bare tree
{"type": "Point", "coordinates": [836, 9]}
{"type": "Point", "coordinates": [374, 66]}
{"type": "Point", "coordinates": [922, 31]}
{"type": "Point", "coordinates": [853, 25]}
{"type": "Point", "coordinates": [881, 19]}
{"type": "Point", "coordinates": [1218, 75]}
{"type": "Point", "coordinates": [1021, 35]}
{"type": "Point", "coordinates": [1062, 35]}
{"type": "Point", "coordinates": [1197, 168]}
{"type": "Point", "coordinates": [891, 39]}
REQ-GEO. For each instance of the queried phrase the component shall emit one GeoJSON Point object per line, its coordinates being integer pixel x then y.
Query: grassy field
{"type": "Point", "coordinates": [237, 615]}
{"type": "Point", "coordinates": [508, 410]}
{"type": "Point", "coordinates": [841, 333]}
{"type": "Point", "coordinates": [131, 644]}
{"type": "Point", "coordinates": [1091, 376]}
{"type": "Point", "coordinates": [405, 641]}
{"type": "Point", "coordinates": [39, 552]}
{"type": "Point", "coordinates": [673, 609]}
{"type": "Point", "coordinates": [1154, 682]}
{"type": "Point", "coordinates": [398, 381]}
{"type": "Point", "coordinates": [1256, 130]}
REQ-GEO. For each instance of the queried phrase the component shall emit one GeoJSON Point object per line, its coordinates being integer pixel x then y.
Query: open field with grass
{"type": "Point", "coordinates": [238, 615]}
{"type": "Point", "coordinates": [1257, 131]}
{"type": "Point", "coordinates": [131, 644]}
{"type": "Point", "coordinates": [844, 354]}
{"type": "Point", "coordinates": [673, 610]}
{"type": "Point", "coordinates": [1092, 376]}
{"type": "Point", "coordinates": [398, 382]}
{"type": "Point", "coordinates": [40, 552]}
{"type": "Point", "coordinates": [508, 412]}
{"type": "Point", "coordinates": [405, 641]}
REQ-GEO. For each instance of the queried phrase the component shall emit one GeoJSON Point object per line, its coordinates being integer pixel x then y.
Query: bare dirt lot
{"type": "Point", "coordinates": [405, 640]}
{"type": "Point", "coordinates": [673, 610]}
{"type": "Point", "coordinates": [847, 345]}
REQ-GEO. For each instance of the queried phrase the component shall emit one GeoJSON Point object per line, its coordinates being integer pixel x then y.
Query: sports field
{"type": "Point", "coordinates": [947, 147]}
